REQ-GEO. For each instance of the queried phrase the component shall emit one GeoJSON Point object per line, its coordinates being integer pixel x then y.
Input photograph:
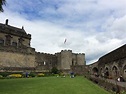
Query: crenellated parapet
{"type": "Point", "coordinates": [66, 51]}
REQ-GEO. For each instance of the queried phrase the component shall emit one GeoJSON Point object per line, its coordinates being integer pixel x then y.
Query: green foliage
{"type": "Point", "coordinates": [2, 2]}
{"type": "Point", "coordinates": [1, 76]}
{"type": "Point", "coordinates": [4, 74]}
{"type": "Point", "coordinates": [54, 70]}
{"type": "Point", "coordinates": [32, 74]}
{"type": "Point", "coordinates": [50, 85]}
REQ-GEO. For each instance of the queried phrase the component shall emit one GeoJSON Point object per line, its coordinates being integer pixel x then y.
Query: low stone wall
{"type": "Point", "coordinates": [108, 85]}
{"type": "Point", "coordinates": [17, 69]}
{"type": "Point", "coordinates": [80, 69]}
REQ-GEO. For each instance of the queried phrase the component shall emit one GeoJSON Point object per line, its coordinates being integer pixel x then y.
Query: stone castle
{"type": "Point", "coordinates": [16, 54]}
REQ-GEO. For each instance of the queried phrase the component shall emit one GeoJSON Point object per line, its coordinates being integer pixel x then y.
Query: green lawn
{"type": "Point", "coordinates": [49, 85]}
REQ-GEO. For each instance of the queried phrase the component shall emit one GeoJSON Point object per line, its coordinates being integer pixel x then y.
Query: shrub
{"type": "Point", "coordinates": [4, 74]}
{"type": "Point", "coordinates": [1, 76]}
{"type": "Point", "coordinates": [41, 75]}
{"type": "Point", "coordinates": [54, 70]}
{"type": "Point", "coordinates": [32, 74]}
{"type": "Point", "coordinates": [15, 76]}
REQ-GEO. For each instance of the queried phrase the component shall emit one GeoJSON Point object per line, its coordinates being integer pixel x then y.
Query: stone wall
{"type": "Point", "coordinates": [111, 86]}
{"type": "Point", "coordinates": [116, 54]}
{"type": "Point", "coordinates": [113, 64]}
{"type": "Point", "coordinates": [10, 60]}
{"type": "Point", "coordinates": [80, 69]}
{"type": "Point", "coordinates": [45, 62]}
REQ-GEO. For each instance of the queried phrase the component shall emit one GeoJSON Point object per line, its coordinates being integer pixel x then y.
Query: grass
{"type": "Point", "coordinates": [49, 85]}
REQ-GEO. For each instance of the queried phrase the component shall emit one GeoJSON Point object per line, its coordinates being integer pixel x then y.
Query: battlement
{"type": "Point", "coordinates": [42, 53]}
{"type": "Point", "coordinates": [80, 53]}
{"type": "Point", "coordinates": [66, 51]}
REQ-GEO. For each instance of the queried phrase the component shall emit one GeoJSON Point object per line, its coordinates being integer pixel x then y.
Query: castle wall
{"type": "Point", "coordinates": [113, 63]}
{"type": "Point", "coordinates": [45, 61]}
{"type": "Point", "coordinates": [58, 55]}
{"type": "Point", "coordinates": [74, 59]}
{"type": "Point", "coordinates": [10, 59]}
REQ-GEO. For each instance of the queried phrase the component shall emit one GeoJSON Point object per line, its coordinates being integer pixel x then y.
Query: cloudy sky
{"type": "Point", "coordinates": [93, 27]}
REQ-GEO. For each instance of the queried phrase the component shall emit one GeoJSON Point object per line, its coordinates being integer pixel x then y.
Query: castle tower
{"type": "Point", "coordinates": [66, 59]}
{"type": "Point", "coordinates": [81, 59]}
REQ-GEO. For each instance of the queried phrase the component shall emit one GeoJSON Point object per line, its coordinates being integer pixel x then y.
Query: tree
{"type": "Point", "coordinates": [2, 2]}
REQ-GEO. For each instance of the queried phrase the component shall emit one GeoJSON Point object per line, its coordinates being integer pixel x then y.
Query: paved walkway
{"type": "Point", "coordinates": [123, 84]}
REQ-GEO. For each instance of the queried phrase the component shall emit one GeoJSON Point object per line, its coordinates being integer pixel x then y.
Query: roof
{"type": "Point", "coordinates": [7, 29]}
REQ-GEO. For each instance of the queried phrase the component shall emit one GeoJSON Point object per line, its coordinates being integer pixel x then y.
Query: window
{"type": "Point", "coordinates": [1, 42]}
{"type": "Point", "coordinates": [14, 43]}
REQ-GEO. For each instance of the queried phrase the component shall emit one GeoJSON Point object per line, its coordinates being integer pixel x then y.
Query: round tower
{"type": "Point", "coordinates": [81, 59]}
{"type": "Point", "coordinates": [66, 59]}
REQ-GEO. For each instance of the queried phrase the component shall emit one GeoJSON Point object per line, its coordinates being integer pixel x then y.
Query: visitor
{"type": "Point", "coordinates": [121, 79]}
{"type": "Point", "coordinates": [72, 75]}
{"type": "Point", "coordinates": [118, 79]}
{"type": "Point", "coordinates": [26, 74]}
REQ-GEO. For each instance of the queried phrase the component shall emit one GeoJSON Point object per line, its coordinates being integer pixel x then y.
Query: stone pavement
{"type": "Point", "coordinates": [123, 84]}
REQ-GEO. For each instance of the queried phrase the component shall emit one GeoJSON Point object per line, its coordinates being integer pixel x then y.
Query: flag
{"type": "Point", "coordinates": [65, 41]}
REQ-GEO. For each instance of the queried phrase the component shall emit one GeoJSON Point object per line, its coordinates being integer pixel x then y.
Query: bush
{"type": "Point", "coordinates": [4, 74]}
{"type": "Point", "coordinates": [32, 74]}
{"type": "Point", "coordinates": [15, 76]}
{"type": "Point", "coordinates": [1, 76]}
{"type": "Point", "coordinates": [54, 70]}
{"type": "Point", "coordinates": [41, 75]}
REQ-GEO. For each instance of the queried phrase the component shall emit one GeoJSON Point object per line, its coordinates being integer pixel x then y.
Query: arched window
{"type": "Point", "coordinates": [124, 70]}
{"type": "Point", "coordinates": [115, 71]}
{"type": "Point", "coordinates": [95, 71]}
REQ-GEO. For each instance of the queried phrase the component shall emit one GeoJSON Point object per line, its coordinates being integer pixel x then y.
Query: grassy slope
{"type": "Point", "coordinates": [49, 85]}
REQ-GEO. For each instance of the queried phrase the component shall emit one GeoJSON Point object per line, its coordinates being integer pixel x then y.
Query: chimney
{"type": "Point", "coordinates": [22, 27]}
{"type": "Point", "coordinates": [6, 22]}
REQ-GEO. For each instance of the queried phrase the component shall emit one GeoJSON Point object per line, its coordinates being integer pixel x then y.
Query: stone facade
{"type": "Point", "coordinates": [62, 60]}
{"type": "Point", "coordinates": [113, 64]}
{"type": "Point", "coordinates": [17, 55]}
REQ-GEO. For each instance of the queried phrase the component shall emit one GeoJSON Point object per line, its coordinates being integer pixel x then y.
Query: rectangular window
{"type": "Point", "coordinates": [14, 44]}
{"type": "Point", "coordinates": [1, 42]}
